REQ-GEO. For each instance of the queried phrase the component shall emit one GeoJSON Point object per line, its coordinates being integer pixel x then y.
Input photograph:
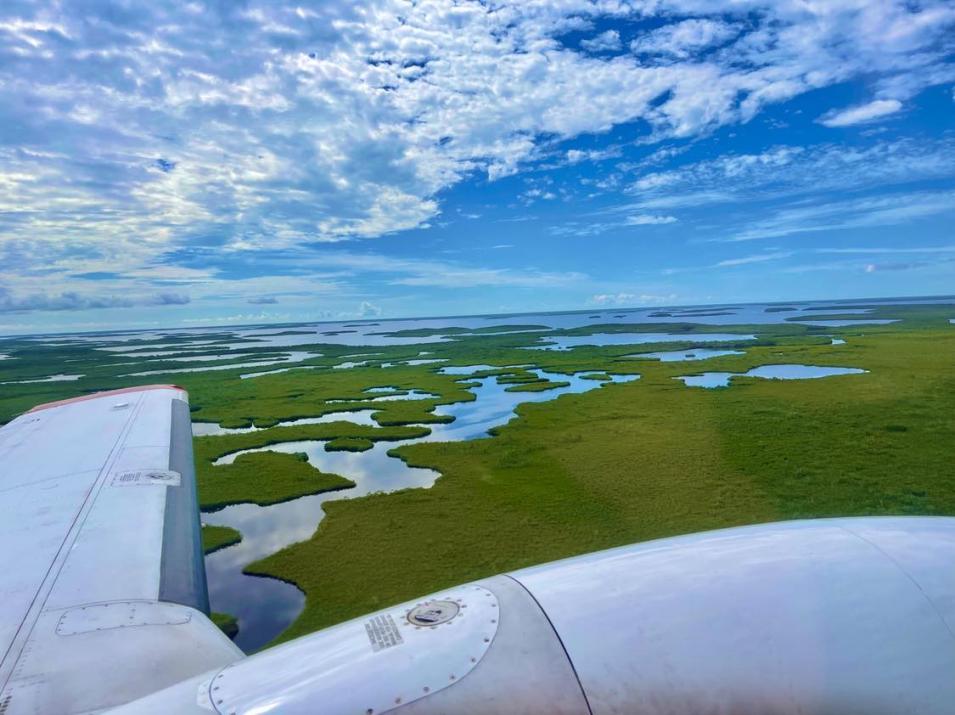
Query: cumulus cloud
{"type": "Point", "coordinates": [608, 41]}
{"type": "Point", "coordinates": [683, 39]}
{"type": "Point", "coordinates": [369, 310]}
{"type": "Point", "coordinates": [730, 168]}
{"type": "Point", "coordinates": [861, 114]}
{"type": "Point", "coordinates": [613, 298]}
{"type": "Point", "coordinates": [648, 220]}
{"type": "Point", "coordinates": [536, 193]}
{"type": "Point", "coordinates": [623, 298]}
{"type": "Point", "coordinates": [575, 156]}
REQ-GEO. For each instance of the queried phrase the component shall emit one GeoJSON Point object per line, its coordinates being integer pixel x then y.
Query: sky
{"type": "Point", "coordinates": [175, 163]}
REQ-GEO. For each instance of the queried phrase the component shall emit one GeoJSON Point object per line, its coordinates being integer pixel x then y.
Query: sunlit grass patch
{"type": "Point", "coordinates": [264, 478]}
{"type": "Point", "coordinates": [348, 444]}
{"type": "Point", "coordinates": [218, 537]}
{"type": "Point", "coordinates": [537, 386]}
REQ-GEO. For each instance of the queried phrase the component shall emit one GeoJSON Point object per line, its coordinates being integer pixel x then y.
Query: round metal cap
{"type": "Point", "coordinates": [433, 613]}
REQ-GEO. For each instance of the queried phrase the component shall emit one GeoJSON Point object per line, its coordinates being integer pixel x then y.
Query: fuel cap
{"type": "Point", "coordinates": [433, 613]}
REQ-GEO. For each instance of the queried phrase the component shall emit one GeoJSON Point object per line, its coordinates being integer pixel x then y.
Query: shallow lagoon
{"type": "Point", "coordinates": [768, 372]}
{"type": "Point", "coordinates": [685, 355]}
{"type": "Point", "coordinates": [205, 358]}
{"type": "Point", "coordinates": [416, 361]}
{"type": "Point", "coordinates": [249, 375]}
{"type": "Point", "coordinates": [294, 356]}
{"type": "Point", "coordinates": [389, 397]}
{"type": "Point", "coordinates": [358, 417]}
{"type": "Point", "coordinates": [567, 342]}
{"type": "Point", "coordinates": [466, 369]}
{"type": "Point", "coordinates": [51, 378]}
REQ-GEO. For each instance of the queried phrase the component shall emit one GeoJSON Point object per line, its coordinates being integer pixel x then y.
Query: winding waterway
{"type": "Point", "coordinates": [264, 606]}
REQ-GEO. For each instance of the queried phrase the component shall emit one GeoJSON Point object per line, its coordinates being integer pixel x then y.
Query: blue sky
{"type": "Point", "coordinates": [196, 163]}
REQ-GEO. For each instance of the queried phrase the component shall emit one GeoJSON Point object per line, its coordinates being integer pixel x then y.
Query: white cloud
{"type": "Point", "coordinates": [331, 275]}
{"type": "Point", "coordinates": [608, 41]}
{"type": "Point", "coordinates": [613, 298]}
{"type": "Point", "coordinates": [416, 272]}
{"type": "Point", "coordinates": [531, 194]}
{"type": "Point", "coordinates": [682, 39]}
{"type": "Point", "coordinates": [939, 268]}
{"type": "Point", "coordinates": [648, 220]}
{"type": "Point", "coordinates": [72, 300]}
{"type": "Point", "coordinates": [623, 298]}
{"type": "Point", "coordinates": [943, 265]}
{"type": "Point", "coordinates": [757, 258]}
{"type": "Point", "coordinates": [575, 156]}
{"type": "Point", "coordinates": [728, 168]}
{"type": "Point", "coordinates": [888, 210]}
{"type": "Point", "coordinates": [455, 277]}
{"type": "Point", "coordinates": [757, 182]}
{"type": "Point", "coordinates": [369, 310]}
{"type": "Point", "coordinates": [862, 113]}
{"type": "Point", "coordinates": [598, 226]}
{"type": "Point", "coordinates": [893, 250]}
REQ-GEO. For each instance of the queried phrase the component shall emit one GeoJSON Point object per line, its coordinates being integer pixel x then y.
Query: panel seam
{"type": "Point", "coordinates": [909, 576]}
{"type": "Point", "coordinates": [563, 647]}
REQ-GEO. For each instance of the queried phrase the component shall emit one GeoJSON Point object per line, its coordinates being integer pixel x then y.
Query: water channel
{"type": "Point", "coordinates": [264, 607]}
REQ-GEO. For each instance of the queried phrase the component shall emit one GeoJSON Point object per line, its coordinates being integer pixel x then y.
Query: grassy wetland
{"type": "Point", "coordinates": [218, 537]}
{"type": "Point", "coordinates": [577, 470]}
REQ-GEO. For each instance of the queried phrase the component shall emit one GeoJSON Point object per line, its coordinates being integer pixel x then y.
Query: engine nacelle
{"type": "Point", "coordinates": [830, 616]}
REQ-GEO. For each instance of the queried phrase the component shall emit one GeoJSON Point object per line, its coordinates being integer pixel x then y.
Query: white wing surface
{"type": "Point", "coordinates": [102, 585]}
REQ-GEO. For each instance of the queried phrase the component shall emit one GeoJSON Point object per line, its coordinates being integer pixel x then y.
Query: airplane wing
{"type": "Point", "coordinates": [102, 583]}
